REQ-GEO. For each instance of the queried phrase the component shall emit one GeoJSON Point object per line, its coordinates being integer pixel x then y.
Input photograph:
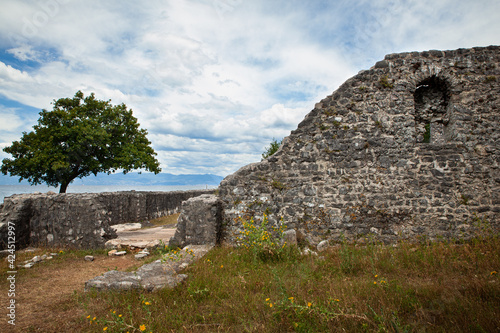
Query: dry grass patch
{"type": "Point", "coordinates": [414, 287]}
{"type": "Point", "coordinates": [46, 294]}
{"type": "Point", "coordinates": [169, 220]}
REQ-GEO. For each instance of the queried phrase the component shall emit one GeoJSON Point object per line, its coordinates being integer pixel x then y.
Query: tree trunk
{"type": "Point", "coordinates": [63, 187]}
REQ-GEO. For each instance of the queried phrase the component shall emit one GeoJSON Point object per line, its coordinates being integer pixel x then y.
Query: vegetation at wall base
{"type": "Point", "coordinates": [416, 286]}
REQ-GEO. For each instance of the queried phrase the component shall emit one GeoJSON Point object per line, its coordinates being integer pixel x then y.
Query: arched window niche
{"type": "Point", "coordinates": [431, 105]}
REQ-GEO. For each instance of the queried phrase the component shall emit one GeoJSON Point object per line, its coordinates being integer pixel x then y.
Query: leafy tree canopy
{"type": "Point", "coordinates": [79, 137]}
{"type": "Point", "coordinates": [273, 148]}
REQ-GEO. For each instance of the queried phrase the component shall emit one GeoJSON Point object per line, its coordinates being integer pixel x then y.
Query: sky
{"type": "Point", "coordinates": [213, 81]}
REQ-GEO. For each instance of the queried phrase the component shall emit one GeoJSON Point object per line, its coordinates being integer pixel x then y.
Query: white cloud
{"type": "Point", "coordinates": [215, 81]}
{"type": "Point", "coordinates": [9, 120]}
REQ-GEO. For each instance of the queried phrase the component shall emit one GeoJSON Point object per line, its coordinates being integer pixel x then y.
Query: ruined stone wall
{"type": "Point", "coordinates": [409, 147]}
{"type": "Point", "coordinates": [82, 220]}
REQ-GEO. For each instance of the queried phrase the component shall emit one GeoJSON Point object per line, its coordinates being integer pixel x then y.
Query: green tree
{"type": "Point", "coordinates": [79, 137]}
{"type": "Point", "coordinates": [273, 148]}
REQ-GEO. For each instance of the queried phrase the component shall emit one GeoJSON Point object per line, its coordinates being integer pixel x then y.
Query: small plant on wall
{"type": "Point", "coordinates": [384, 82]}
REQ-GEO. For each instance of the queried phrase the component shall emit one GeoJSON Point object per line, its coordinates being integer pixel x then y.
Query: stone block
{"type": "Point", "coordinates": [199, 222]}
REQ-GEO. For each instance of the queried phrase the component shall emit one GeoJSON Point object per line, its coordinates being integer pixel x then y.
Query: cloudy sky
{"type": "Point", "coordinates": [213, 81]}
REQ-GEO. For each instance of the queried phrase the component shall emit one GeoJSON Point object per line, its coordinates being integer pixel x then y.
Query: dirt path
{"type": "Point", "coordinates": [142, 237]}
{"type": "Point", "coordinates": [46, 293]}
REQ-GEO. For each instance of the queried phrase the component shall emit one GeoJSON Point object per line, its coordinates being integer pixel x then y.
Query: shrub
{"type": "Point", "coordinates": [273, 148]}
{"type": "Point", "coordinates": [262, 242]}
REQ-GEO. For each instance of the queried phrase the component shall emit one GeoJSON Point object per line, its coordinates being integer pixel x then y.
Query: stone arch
{"type": "Point", "coordinates": [431, 98]}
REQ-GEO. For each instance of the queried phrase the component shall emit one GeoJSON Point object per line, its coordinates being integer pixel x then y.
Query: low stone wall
{"type": "Point", "coordinates": [81, 220]}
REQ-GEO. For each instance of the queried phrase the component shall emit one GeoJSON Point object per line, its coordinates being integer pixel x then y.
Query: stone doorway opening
{"type": "Point", "coordinates": [431, 110]}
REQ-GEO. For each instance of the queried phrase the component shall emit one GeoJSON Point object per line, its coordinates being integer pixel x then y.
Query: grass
{"type": "Point", "coordinates": [169, 220]}
{"type": "Point", "coordinates": [411, 287]}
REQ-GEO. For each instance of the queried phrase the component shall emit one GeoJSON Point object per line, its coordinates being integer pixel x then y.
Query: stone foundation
{"type": "Point", "coordinates": [82, 220]}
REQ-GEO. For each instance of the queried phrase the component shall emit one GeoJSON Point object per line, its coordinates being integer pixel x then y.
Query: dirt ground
{"type": "Point", "coordinates": [47, 292]}
{"type": "Point", "coordinates": [44, 293]}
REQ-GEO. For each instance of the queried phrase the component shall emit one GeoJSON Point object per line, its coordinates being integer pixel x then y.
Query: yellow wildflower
{"type": "Point", "coordinates": [374, 282]}
{"type": "Point", "coordinates": [88, 316]}
{"type": "Point", "coordinates": [105, 329]}
{"type": "Point", "coordinates": [147, 303]}
{"type": "Point", "coordinates": [493, 273]}
{"type": "Point", "coordinates": [309, 304]}
{"type": "Point", "coordinates": [270, 305]}
{"type": "Point", "coordinates": [119, 316]}
{"type": "Point", "coordinates": [142, 328]}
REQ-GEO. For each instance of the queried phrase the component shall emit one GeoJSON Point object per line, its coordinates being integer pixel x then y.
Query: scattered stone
{"type": "Point", "coordinates": [89, 258]}
{"type": "Point", "coordinates": [156, 275]}
{"type": "Point", "coordinates": [323, 245]}
{"type": "Point", "coordinates": [54, 254]}
{"type": "Point", "coordinates": [26, 265]}
{"type": "Point", "coordinates": [126, 227]}
{"type": "Point", "coordinates": [118, 243]}
{"type": "Point", "coordinates": [140, 255]}
{"type": "Point", "coordinates": [31, 249]}
{"type": "Point", "coordinates": [112, 252]}
{"type": "Point", "coordinates": [307, 251]}
{"type": "Point", "coordinates": [36, 259]}
{"type": "Point", "coordinates": [49, 257]}
{"type": "Point", "coordinates": [120, 253]}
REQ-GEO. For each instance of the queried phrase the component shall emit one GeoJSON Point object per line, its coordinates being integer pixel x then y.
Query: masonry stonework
{"type": "Point", "coordinates": [82, 220]}
{"type": "Point", "coordinates": [409, 147]}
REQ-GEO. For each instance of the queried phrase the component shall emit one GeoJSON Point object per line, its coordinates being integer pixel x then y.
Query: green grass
{"type": "Point", "coordinates": [411, 287]}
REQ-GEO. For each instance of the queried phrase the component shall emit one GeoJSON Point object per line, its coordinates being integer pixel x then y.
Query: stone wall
{"type": "Point", "coordinates": [409, 147]}
{"type": "Point", "coordinates": [82, 220]}
{"type": "Point", "coordinates": [200, 222]}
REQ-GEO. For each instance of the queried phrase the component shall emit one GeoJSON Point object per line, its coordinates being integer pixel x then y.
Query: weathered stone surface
{"type": "Point", "coordinates": [141, 255]}
{"type": "Point", "coordinates": [323, 245]}
{"type": "Point", "coordinates": [126, 227]}
{"type": "Point", "coordinates": [409, 147]}
{"type": "Point", "coordinates": [82, 220]}
{"type": "Point", "coordinates": [199, 222]}
{"type": "Point", "coordinates": [156, 275]}
{"type": "Point", "coordinates": [290, 237]}
{"type": "Point", "coordinates": [89, 258]}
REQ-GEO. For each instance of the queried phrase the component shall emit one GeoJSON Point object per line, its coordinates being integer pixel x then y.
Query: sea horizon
{"type": "Point", "coordinates": [9, 190]}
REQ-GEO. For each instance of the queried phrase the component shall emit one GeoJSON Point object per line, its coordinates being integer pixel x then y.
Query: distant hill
{"type": "Point", "coordinates": [133, 178]}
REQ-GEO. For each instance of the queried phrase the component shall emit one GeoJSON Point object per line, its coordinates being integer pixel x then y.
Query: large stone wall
{"type": "Point", "coordinates": [82, 220]}
{"type": "Point", "coordinates": [409, 147]}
